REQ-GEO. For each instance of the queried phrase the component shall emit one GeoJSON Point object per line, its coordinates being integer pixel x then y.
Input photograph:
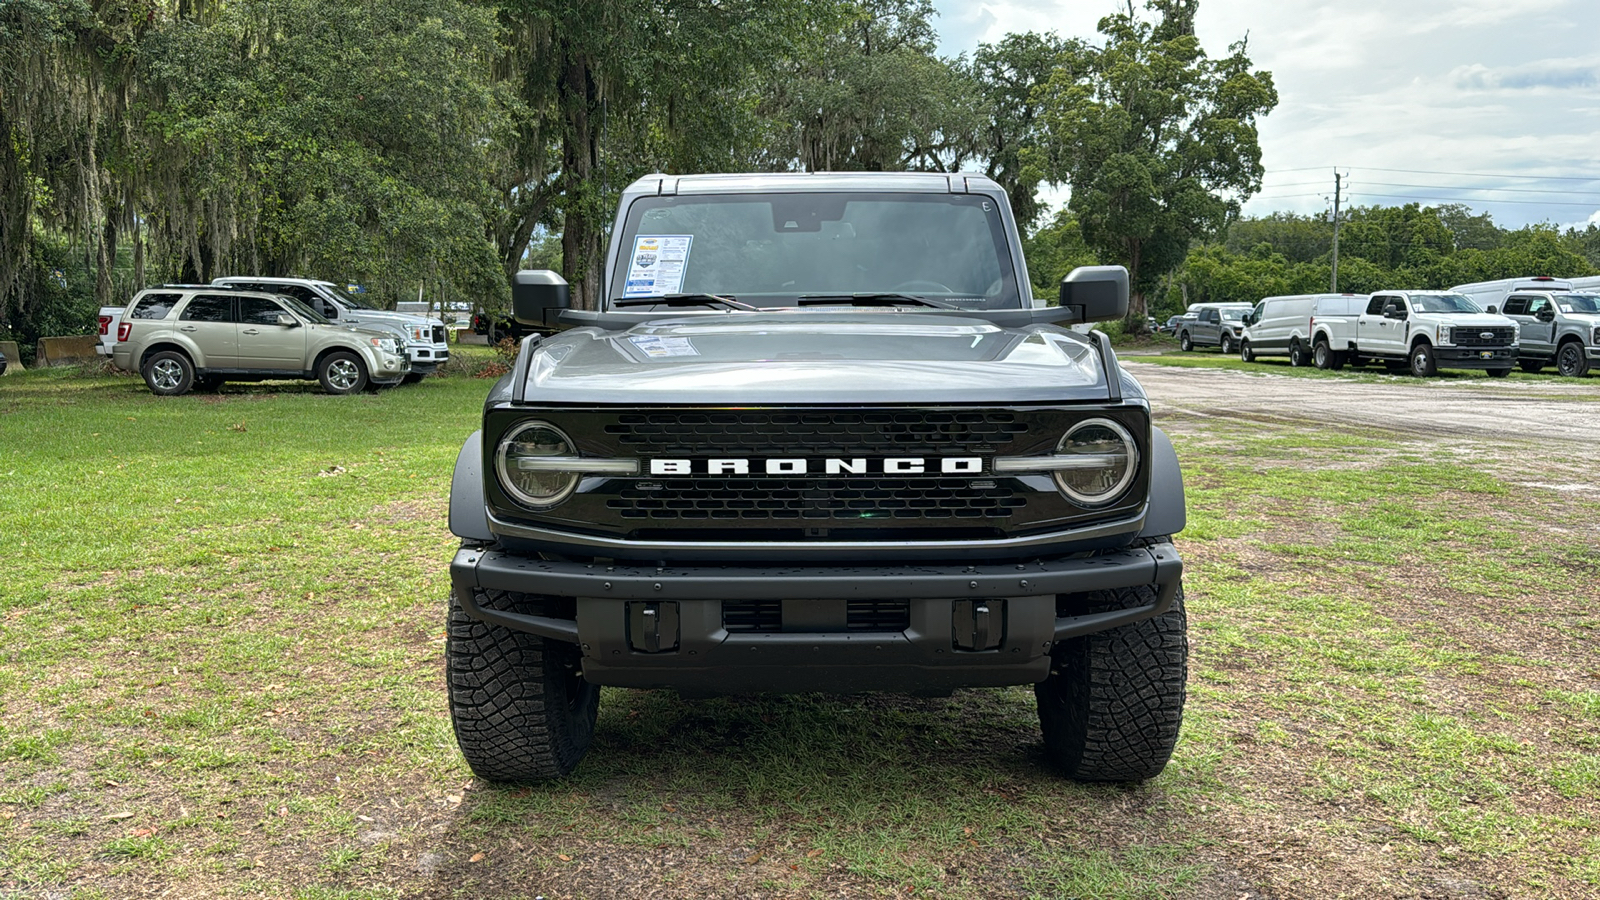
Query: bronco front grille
{"type": "Point", "coordinates": [1499, 336]}
{"type": "Point", "coordinates": [815, 433]}
{"type": "Point", "coordinates": [860, 501]}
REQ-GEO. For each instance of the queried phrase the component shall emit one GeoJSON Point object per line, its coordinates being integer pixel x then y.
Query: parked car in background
{"type": "Point", "coordinates": [1560, 328]}
{"type": "Point", "coordinates": [1214, 325]}
{"type": "Point", "coordinates": [1426, 331]}
{"type": "Point", "coordinates": [1281, 326]}
{"type": "Point", "coordinates": [110, 318]}
{"type": "Point", "coordinates": [181, 338]}
{"type": "Point", "coordinates": [1332, 318]}
{"type": "Point", "coordinates": [1171, 325]}
{"type": "Point", "coordinates": [424, 337]}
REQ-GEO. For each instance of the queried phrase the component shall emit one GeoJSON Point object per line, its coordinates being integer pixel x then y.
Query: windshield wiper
{"type": "Point", "coordinates": [879, 298]}
{"type": "Point", "coordinates": [683, 300]}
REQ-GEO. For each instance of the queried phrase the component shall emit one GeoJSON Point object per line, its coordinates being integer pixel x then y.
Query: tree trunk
{"type": "Point", "coordinates": [580, 231]}
{"type": "Point", "coordinates": [1137, 322]}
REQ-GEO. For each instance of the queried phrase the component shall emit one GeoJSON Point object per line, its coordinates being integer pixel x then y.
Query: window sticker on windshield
{"type": "Point", "coordinates": [660, 347]}
{"type": "Point", "coordinates": [1566, 308]}
{"type": "Point", "coordinates": [656, 266]}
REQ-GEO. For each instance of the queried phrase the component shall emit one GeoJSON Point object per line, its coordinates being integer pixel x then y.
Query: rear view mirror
{"type": "Point", "coordinates": [538, 296]}
{"type": "Point", "coordinates": [1098, 293]}
{"type": "Point", "coordinates": [1393, 311]}
{"type": "Point", "coordinates": [287, 321]}
{"type": "Point", "coordinates": [1493, 308]}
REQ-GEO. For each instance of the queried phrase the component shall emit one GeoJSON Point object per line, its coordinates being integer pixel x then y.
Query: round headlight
{"type": "Point", "coordinates": [1107, 461]}
{"type": "Point", "coordinates": [523, 461]}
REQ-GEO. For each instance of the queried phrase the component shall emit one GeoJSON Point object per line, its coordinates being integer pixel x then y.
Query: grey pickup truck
{"type": "Point", "coordinates": [818, 437]}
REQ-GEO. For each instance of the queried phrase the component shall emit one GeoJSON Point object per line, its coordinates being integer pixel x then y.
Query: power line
{"type": "Point", "coordinates": [1470, 200]}
{"type": "Point", "coordinates": [1500, 190]}
{"type": "Point", "coordinates": [1481, 174]}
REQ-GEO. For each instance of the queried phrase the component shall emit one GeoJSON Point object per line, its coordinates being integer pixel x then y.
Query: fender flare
{"type": "Point", "coordinates": [469, 511]}
{"type": "Point", "coordinates": [1167, 513]}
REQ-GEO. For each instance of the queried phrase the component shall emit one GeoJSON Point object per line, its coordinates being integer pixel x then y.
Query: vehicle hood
{"type": "Point", "coordinates": [1589, 319]}
{"type": "Point", "coordinates": [816, 357]}
{"type": "Point", "coordinates": [361, 331]}
{"type": "Point", "coordinates": [390, 317]}
{"type": "Point", "coordinates": [1466, 320]}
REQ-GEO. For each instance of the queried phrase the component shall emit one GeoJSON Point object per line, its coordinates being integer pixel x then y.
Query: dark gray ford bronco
{"type": "Point", "coordinates": [820, 437]}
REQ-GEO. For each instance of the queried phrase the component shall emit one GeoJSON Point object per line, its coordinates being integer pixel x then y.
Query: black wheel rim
{"type": "Point", "coordinates": [1570, 359]}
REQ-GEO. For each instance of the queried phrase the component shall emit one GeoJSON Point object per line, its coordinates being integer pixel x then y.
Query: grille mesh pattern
{"type": "Point", "coordinates": [803, 499]}
{"type": "Point", "coordinates": [1503, 335]}
{"type": "Point", "coordinates": [813, 434]}
{"type": "Point", "coordinates": [766, 616]}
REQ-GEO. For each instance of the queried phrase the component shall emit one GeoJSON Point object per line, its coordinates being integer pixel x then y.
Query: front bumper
{"type": "Point", "coordinates": [1473, 357]}
{"type": "Point", "coordinates": [1028, 608]}
{"type": "Point", "coordinates": [425, 358]}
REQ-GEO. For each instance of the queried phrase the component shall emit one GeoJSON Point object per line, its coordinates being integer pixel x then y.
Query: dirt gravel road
{"type": "Point", "coordinates": [1473, 410]}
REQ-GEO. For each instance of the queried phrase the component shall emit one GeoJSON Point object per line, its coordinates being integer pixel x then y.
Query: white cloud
{"type": "Point", "coordinates": [1509, 87]}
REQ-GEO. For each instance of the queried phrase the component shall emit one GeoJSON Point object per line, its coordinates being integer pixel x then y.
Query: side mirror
{"type": "Point", "coordinates": [1098, 293]}
{"type": "Point", "coordinates": [288, 321]}
{"type": "Point", "coordinates": [1493, 308]}
{"type": "Point", "coordinates": [1548, 314]}
{"type": "Point", "coordinates": [538, 296]}
{"type": "Point", "coordinates": [1393, 311]}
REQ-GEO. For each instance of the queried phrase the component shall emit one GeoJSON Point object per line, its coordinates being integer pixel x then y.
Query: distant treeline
{"type": "Point", "coordinates": [1380, 247]}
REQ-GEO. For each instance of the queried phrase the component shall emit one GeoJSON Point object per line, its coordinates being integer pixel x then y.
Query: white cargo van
{"type": "Point", "coordinates": [1491, 295]}
{"type": "Point", "coordinates": [1281, 326]}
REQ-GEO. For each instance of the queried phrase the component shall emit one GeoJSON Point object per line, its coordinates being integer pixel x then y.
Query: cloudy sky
{"type": "Point", "coordinates": [1494, 103]}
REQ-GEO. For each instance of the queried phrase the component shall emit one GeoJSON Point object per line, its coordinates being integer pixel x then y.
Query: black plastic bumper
{"type": "Point", "coordinates": [1458, 358]}
{"type": "Point", "coordinates": [700, 655]}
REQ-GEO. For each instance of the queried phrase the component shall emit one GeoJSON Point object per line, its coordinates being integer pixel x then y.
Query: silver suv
{"type": "Point", "coordinates": [181, 337]}
{"type": "Point", "coordinates": [423, 337]}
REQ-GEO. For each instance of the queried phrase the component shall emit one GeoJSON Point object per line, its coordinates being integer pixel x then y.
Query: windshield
{"type": "Point", "coordinates": [1233, 315]}
{"type": "Point", "coordinates": [1443, 303]}
{"type": "Point", "coordinates": [769, 249]}
{"type": "Point", "coordinates": [303, 311]}
{"type": "Point", "coordinates": [346, 297]}
{"type": "Point", "coordinates": [1580, 303]}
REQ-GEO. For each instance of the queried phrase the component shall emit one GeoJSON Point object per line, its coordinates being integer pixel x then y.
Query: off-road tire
{"type": "Point", "coordinates": [1185, 343]}
{"type": "Point", "coordinates": [1297, 354]}
{"type": "Point", "coordinates": [337, 375]}
{"type": "Point", "coordinates": [1245, 353]}
{"type": "Point", "coordinates": [1498, 373]}
{"type": "Point", "coordinates": [1421, 361]}
{"type": "Point", "coordinates": [1571, 361]}
{"type": "Point", "coordinates": [168, 373]}
{"type": "Point", "coordinates": [520, 707]}
{"type": "Point", "coordinates": [1227, 345]}
{"type": "Point", "coordinates": [1531, 366]}
{"type": "Point", "coordinates": [1113, 704]}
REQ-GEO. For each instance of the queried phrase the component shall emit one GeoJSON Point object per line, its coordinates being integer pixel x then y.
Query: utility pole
{"type": "Point", "coordinates": [1333, 285]}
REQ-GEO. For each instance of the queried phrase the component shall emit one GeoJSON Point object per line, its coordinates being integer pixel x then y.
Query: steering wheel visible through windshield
{"type": "Point", "coordinates": [768, 250]}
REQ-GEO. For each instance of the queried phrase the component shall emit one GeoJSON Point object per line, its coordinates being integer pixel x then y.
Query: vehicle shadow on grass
{"type": "Point", "coordinates": [789, 795]}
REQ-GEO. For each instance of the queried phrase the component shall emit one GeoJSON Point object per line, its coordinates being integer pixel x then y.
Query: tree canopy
{"type": "Point", "coordinates": [1157, 140]}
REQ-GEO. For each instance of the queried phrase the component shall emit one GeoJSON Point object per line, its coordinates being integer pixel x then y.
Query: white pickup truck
{"type": "Point", "coordinates": [110, 320]}
{"type": "Point", "coordinates": [1423, 331]}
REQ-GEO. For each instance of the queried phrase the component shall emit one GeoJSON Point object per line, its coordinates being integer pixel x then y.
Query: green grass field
{"type": "Point", "coordinates": [221, 636]}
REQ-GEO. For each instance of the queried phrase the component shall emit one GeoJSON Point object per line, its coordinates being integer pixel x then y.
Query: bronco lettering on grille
{"type": "Point", "coordinates": [893, 465]}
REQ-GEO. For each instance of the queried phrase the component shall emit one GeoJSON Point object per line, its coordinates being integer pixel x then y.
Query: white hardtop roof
{"type": "Point", "coordinates": [810, 182]}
